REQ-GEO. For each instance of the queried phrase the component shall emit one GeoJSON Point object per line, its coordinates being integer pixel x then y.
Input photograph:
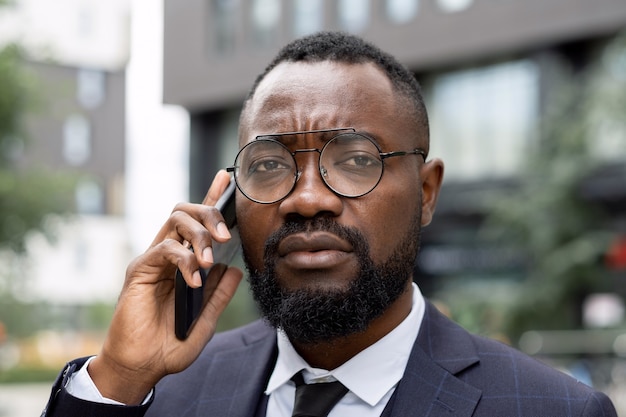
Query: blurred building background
{"type": "Point", "coordinates": [83, 135]}
{"type": "Point", "coordinates": [77, 52]}
{"type": "Point", "coordinates": [58, 289]}
{"type": "Point", "coordinates": [526, 100]}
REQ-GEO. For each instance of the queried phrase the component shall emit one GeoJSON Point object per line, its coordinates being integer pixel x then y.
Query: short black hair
{"type": "Point", "coordinates": [346, 48]}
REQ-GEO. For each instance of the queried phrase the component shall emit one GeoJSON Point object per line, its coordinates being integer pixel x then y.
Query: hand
{"type": "Point", "coordinates": [141, 347]}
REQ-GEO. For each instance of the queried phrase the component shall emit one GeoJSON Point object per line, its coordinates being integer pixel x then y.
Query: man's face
{"type": "Point", "coordinates": [315, 252]}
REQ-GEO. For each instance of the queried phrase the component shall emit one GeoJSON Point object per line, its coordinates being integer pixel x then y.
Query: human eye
{"type": "Point", "coordinates": [353, 152]}
{"type": "Point", "coordinates": [359, 160]}
{"type": "Point", "coordinates": [265, 158]}
{"type": "Point", "coordinates": [268, 165]}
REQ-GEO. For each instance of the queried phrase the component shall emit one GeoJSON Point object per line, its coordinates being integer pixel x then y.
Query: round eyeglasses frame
{"type": "Point", "coordinates": [321, 169]}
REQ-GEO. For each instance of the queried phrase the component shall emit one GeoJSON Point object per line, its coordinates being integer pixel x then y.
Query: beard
{"type": "Point", "coordinates": [314, 316]}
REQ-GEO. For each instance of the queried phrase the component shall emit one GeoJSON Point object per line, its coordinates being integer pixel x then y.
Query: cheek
{"type": "Point", "coordinates": [385, 224]}
{"type": "Point", "coordinates": [390, 211]}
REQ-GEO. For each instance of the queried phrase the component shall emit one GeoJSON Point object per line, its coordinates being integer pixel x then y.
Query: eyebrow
{"type": "Point", "coordinates": [284, 137]}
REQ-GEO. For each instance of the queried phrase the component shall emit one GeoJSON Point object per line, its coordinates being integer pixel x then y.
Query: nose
{"type": "Point", "coordinates": [310, 196]}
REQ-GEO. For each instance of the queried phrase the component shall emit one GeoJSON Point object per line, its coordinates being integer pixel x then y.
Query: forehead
{"type": "Point", "coordinates": [298, 96]}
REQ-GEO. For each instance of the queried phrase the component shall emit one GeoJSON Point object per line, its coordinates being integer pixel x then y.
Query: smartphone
{"type": "Point", "coordinates": [189, 301]}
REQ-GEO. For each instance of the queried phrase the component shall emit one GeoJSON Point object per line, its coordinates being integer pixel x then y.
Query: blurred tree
{"type": "Point", "coordinates": [546, 216]}
{"type": "Point", "coordinates": [26, 196]}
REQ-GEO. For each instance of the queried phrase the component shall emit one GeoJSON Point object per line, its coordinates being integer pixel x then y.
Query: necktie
{"type": "Point", "coordinates": [316, 400]}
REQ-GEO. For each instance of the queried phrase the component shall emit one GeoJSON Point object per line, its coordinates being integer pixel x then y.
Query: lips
{"type": "Point", "coordinates": [313, 250]}
{"type": "Point", "coordinates": [312, 242]}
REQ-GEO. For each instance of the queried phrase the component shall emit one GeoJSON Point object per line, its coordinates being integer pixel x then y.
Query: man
{"type": "Point", "coordinates": [334, 187]}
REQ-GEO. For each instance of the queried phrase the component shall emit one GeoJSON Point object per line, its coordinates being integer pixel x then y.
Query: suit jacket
{"type": "Point", "coordinates": [450, 373]}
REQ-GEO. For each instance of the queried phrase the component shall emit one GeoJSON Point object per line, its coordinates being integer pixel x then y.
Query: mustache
{"type": "Point", "coordinates": [307, 225]}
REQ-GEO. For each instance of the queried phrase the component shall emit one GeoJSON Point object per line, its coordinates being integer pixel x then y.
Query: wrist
{"type": "Point", "coordinates": [119, 383]}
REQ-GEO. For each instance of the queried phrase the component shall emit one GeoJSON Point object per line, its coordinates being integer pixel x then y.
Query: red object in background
{"type": "Point", "coordinates": [616, 256]}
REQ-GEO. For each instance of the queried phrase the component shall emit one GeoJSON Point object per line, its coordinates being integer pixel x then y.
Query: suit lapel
{"type": "Point", "coordinates": [429, 386]}
{"type": "Point", "coordinates": [237, 377]}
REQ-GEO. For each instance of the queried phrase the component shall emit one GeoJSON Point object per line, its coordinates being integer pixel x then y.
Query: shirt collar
{"type": "Point", "coordinates": [383, 362]}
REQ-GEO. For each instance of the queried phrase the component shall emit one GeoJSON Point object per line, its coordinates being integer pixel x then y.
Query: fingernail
{"type": "Point", "coordinates": [207, 254]}
{"type": "Point", "coordinates": [222, 230]}
{"type": "Point", "coordinates": [197, 279]}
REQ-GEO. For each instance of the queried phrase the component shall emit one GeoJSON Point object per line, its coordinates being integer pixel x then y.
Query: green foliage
{"type": "Point", "coordinates": [28, 375]}
{"type": "Point", "coordinates": [23, 319]}
{"type": "Point", "coordinates": [14, 101]}
{"type": "Point", "coordinates": [26, 196]}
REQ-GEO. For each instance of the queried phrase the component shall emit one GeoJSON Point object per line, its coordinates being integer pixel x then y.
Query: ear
{"type": "Point", "coordinates": [431, 174]}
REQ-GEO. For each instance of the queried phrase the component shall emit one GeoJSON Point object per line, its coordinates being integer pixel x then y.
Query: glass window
{"type": "Point", "coordinates": [89, 197]}
{"type": "Point", "coordinates": [452, 6]}
{"type": "Point", "coordinates": [482, 119]}
{"type": "Point", "coordinates": [353, 15]}
{"type": "Point", "coordinates": [76, 139]}
{"type": "Point", "coordinates": [224, 27]}
{"type": "Point", "coordinates": [401, 11]}
{"type": "Point", "coordinates": [308, 17]}
{"type": "Point", "coordinates": [265, 17]}
{"type": "Point", "coordinates": [90, 88]}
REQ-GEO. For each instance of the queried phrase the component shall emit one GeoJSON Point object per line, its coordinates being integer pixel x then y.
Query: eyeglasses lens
{"type": "Point", "coordinates": [352, 164]}
{"type": "Point", "coordinates": [266, 170]}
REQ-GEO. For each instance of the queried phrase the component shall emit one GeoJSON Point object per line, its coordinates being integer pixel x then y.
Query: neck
{"type": "Point", "coordinates": [334, 353]}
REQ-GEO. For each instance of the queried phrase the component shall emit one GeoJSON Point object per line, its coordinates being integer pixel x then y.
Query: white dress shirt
{"type": "Point", "coordinates": [80, 385]}
{"type": "Point", "coordinates": [371, 376]}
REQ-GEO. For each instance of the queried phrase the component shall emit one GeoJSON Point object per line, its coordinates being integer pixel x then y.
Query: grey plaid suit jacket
{"type": "Point", "coordinates": [450, 373]}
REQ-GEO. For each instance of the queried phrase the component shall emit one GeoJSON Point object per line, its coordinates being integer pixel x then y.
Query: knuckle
{"type": "Point", "coordinates": [209, 215]}
{"type": "Point", "coordinates": [178, 254]}
{"type": "Point", "coordinates": [133, 265]}
{"type": "Point", "coordinates": [180, 206]}
{"type": "Point", "coordinates": [202, 235]}
{"type": "Point", "coordinates": [177, 217]}
{"type": "Point", "coordinates": [169, 244]}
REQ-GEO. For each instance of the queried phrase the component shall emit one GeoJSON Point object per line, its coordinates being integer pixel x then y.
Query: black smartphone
{"type": "Point", "coordinates": [189, 301]}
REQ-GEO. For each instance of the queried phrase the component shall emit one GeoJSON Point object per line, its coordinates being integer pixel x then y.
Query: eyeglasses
{"type": "Point", "coordinates": [350, 163]}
